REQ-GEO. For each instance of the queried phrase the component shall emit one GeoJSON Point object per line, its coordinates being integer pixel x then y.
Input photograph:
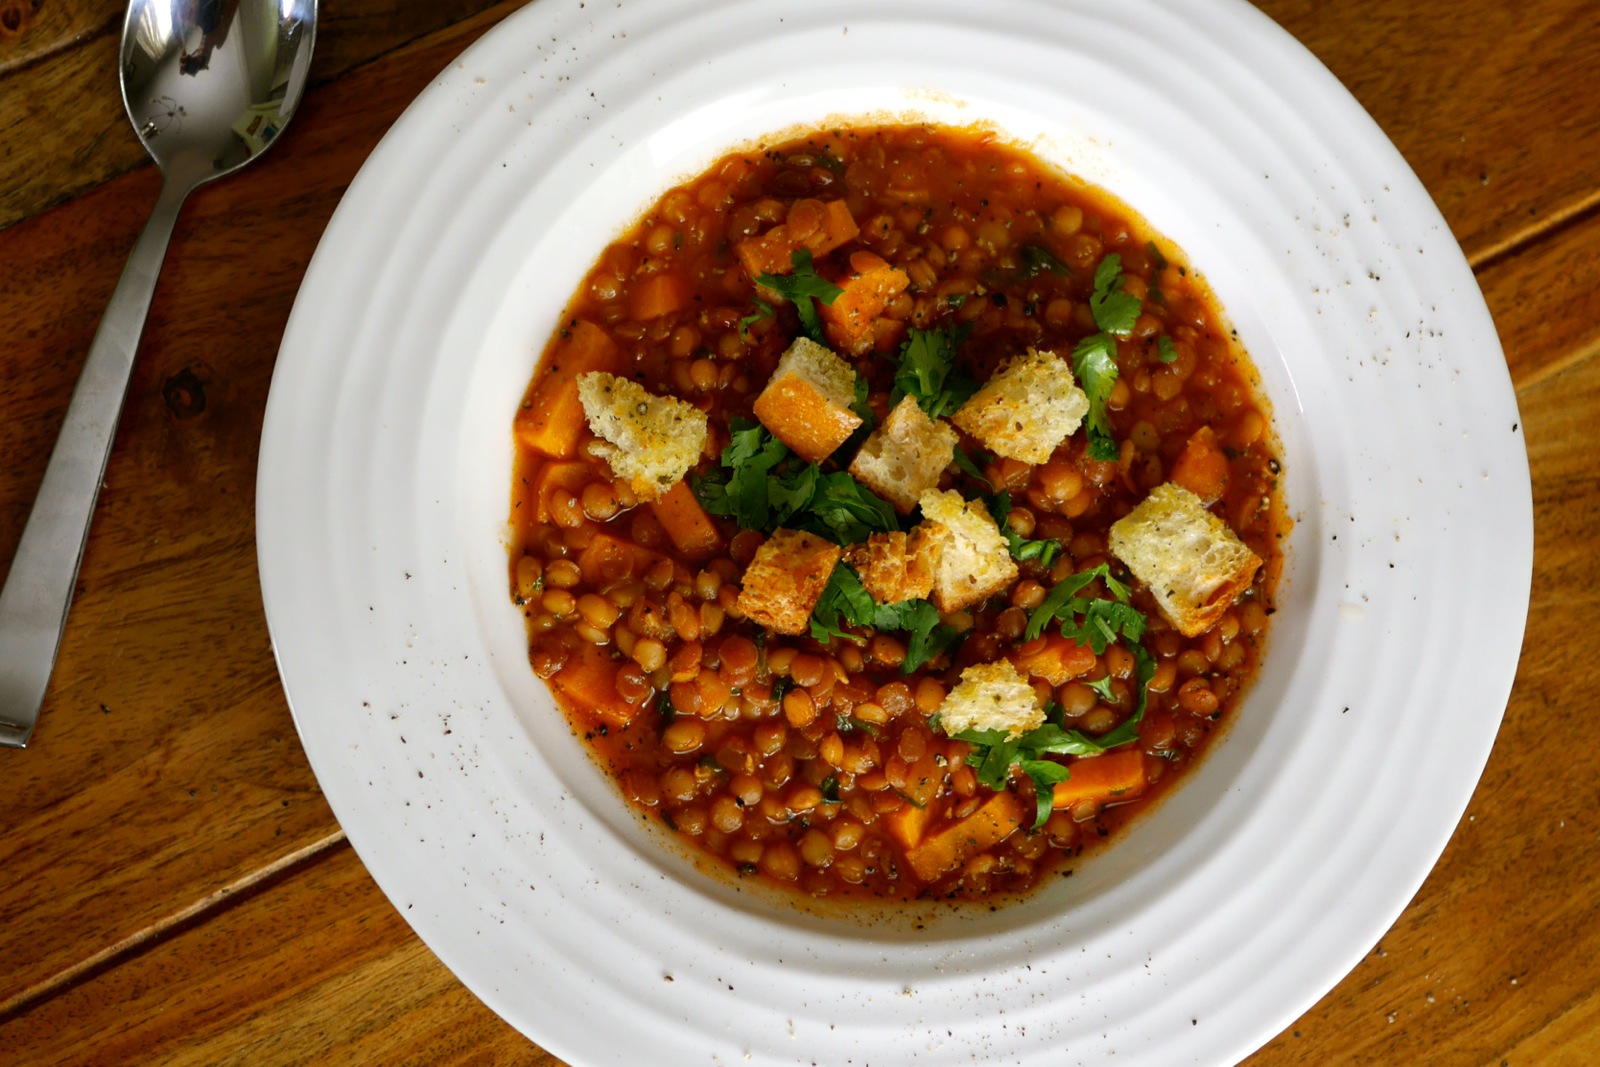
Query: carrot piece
{"type": "Point", "coordinates": [813, 225]}
{"type": "Point", "coordinates": [552, 415]}
{"type": "Point", "coordinates": [907, 824]}
{"type": "Point", "coordinates": [1113, 776]}
{"type": "Point", "coordinates": [687, 523]}
{"type": "Point", "coordinates": [853, 317]}
{"type": "Point", "coordinates": [608, 560]}
{"type": "Point", "coordinates": [1058, 660]}
{"type": "Point", "coordinates": [570, 475]}
{"type": "Point", "coordinates": [1202, 467]}
{"type": "Point", "coordinates": [658, 295]}
{"type": "Point", "coordinates": [589, 680]}
{"type": "Point", "coordinates": [944, 851]}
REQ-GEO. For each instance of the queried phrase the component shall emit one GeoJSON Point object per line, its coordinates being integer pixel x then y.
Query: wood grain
{"type": "Point", "coordinates": [61, 112]}
{"type": "Point", "coordinates": [1546, 302]}
{"type": "Point", "coordinates": [315, 969]}
{"type": "Point", "coordinates": [166, 767]}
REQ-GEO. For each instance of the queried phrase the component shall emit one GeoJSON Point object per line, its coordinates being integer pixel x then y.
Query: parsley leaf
{"type": "Point", "coordinates": [1115, 310]}
{"type": "Point", "coordinates": [1045, 774]}
{"type": "Point", "coordinates": [844, 598]}
{"type": "Point", "coordinates": [1022, 549]}
{"type": "Point", "coordinates": [1062, 601]}
{"type": "Point", "coordinates": [1158, 264]}
{"type": "Point", "coordinates": [1037, 258]}
{"type": "Point", "coordinates": [1102, 688]}
{"type": "Point", "coordinates": [926, 371]}
{"type": "Point", "coordinates": [739, 490]}
{"type": "Point", "coordinates": [968, 467]}
{"type": "Point", "coordinates": [1166, 351]}
{"type": "Point", "coordinates": [763, 311]}
{"type": "Point", "coordinates": [1144, 669]}
{"type": "Point", "coordinates": [1094, 365]}
{"type": "Point", "coordinates": [845, 511]}
{"type": "Point", "coordinates": [802, 286]}
{"type": "Point", "coordinates": [927, 638]}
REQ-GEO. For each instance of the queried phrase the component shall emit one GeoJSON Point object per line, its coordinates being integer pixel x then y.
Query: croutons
{"type": "Point", "coordinates": [904, 457]}
{"type": "Point", "coordinates": [806, 405]}
{"type": "Point", "coordinates": [992, 696]}
{"type": "Point", "coordinates": [653, 440]}
{"type": "Point", "coordinates": [1193, 564]}
{"type": "Point", "coordinates": [895, 566]}
{"type": "Point", "coordinates": [785, 580]}
{"type": "Point", "coordinates": [1027, 409]}
{"type": "Point", "coordinates": [973, 561]}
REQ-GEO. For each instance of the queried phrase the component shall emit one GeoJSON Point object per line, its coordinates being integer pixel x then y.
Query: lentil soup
{"type": "Point", "coordinates": [849, 509]}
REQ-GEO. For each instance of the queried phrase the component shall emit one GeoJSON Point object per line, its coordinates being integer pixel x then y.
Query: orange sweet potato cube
{"type": "Point", "coordinates": [552, 418]}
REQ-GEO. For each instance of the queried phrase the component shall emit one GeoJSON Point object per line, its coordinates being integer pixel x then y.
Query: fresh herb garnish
{"type": "Point", "coordinates": [844, 598]}
{"type": "Point", "coordinates": [1166, 351]}
{"type": "Point", "coordinates": [763, 311]}
{"type": "Point", "coordinates": [1115, 310]}
{"type": "Point", "coordinates": [1037, 258]}
{"type": "Point", "coordinates": [802, 286]}
{"type": "Point", "coordinates": [829, 788]}
{"type": "Point", "coordinates": [1022, 549]}
{"type": "Point", "coordinates": [968, 466]}
{"type": "Point", "coordinates": [1094, 365]}
{"type": "Point", "coordinates": [1063, 602]}
{"type": "Point", "coordinates": [1103, 688]}
{"type": "Point", "coordinates": [994, 753]}
{"type": "Point", "coordinates": [665, 706]}
{"type": "Point", "coordinates": [926, 371]}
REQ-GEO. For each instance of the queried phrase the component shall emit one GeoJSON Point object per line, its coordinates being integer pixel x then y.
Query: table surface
{"type": "Point", "coordinates": [174, 888]}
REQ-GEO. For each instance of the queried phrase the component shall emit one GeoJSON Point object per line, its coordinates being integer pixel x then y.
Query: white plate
{"type": "Point", "coordinates": [384, 488]}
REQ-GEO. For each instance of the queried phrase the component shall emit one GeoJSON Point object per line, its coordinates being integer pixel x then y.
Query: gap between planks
{"type": "Point", "coordinates": [202, 910]}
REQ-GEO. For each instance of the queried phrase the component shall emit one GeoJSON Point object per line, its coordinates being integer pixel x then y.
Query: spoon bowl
{"type": "Point", "coordinates": [209, 85]}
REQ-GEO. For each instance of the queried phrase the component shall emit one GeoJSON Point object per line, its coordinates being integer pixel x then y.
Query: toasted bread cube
{"type": "Point", "coordinates": [973, 561]}
{"type": "Point", "coordinates": [895, 566]}
{"type": "Point", "coordinates": [806, 404]}
{"type": "Point", "coordinates": [651, 440]}
{"type": "Point", "coordinates": [1027, 409]}
{"type": "Point", "coordinates": [869, 287]}
{"type": "Point", "coordinates": [1192, 563]}
{"type": "Point", "coordinates": [992, 696]}
{"type": "Point", "coordinates": [904, 457]}
{"type": "Point", "coordinates": [785, 580]}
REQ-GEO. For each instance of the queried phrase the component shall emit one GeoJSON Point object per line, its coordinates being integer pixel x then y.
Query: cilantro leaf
{"type": "Point", "coordinates": [928, 636]}
{"type": "Point", "coordinates": [1103, 622]}
{"type": "Point", "coordinates": [1115, 310]}
{"type": "Point", "coordinates": [1158, 264]}
{"type": "Point", "coordinates": [1144, 669]}
{"type": "Point", "coordinates": [802, 286]}
{"type": "Point", "coordinates": [739, 490]}
{"type": "Point", "coordinates": [1037, 258]}
{"type": "Point", "coordinates": [926, 371]}
{"type": "Point", "coordinates": [845, 511]}
{"type": "Point", "coordinates": [1166, 351]}
{"type": "Point", "coordinates": [1103, 688]}
{"type": "Point", "coordinates": [844, 598]}
{"type": "Point", "coordinates": [1045, 774]}
{"type": "Point", "coordinates": [1094, 365]}
{"type": "Point", "coordinates": [763, 311]}
{"type": "Point", "coordinates": [1059, 600]}
{"type": "Point", "coordinates": [1022, 549]}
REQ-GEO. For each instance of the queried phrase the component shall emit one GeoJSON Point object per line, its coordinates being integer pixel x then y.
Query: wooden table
{"type": "Point", "coordinates": [173, 887]}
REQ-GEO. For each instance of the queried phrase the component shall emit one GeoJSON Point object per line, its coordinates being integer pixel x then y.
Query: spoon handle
{"type": "Point", "coordinates": [39, 587]}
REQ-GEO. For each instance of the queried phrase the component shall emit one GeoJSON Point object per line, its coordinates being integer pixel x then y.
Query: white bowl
{"type": "Point", "coordinates": [1218, 917]}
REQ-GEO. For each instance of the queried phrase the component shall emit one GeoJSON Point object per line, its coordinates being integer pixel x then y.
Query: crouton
{"type": "Point", "coordinates": [972, 559]}
{"type": "Point", "coordinates": [895, 566]}
{"type": "Point", "coordinates": [785, 580]}
{"type": "Point", "coordinates": [904, 457]}
{"type": "Point", "coordinates": [652, 440]}
{"type": "Point", "coordinates": [1027, 409]}
{"type": "Point", "coordinates": [806, 404]}
{"type": "Point", "coordinates": [1192, 563]}
{"type": "Point", "coordinates": [869, 287]}
{"type": "Point", "coordinates": [992, 696]}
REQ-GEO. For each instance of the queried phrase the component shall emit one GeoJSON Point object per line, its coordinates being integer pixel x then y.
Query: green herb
{"type": "Point", "coordinates": [927, 638]}
{"type": "Point", "coordinates": [1115, 310]}
{"type": "Point", "coordinates": [1158, 264]}
{"type": "Point", "coordinates": [1063, 602]}
{"type": "Point", "coordinates": [968, 467]}
{"type": "Point", "coordinates": [665, 707]}
{"type": "Point", "coordinates": [1144, 669]}
{"type": "Point", "coordinates": [1037, 258]}
{"type": "Point", "coordinates": [1103, 688]}
{"type": "Point", "coordinates": [829, 788]}
{"type": "Point", "coordinates": [843, 598]}
{"type": "Point", "coordinates": [955, 300]}
{"type": "Point", "coordinates": [763, 311]}
{"type": "Point", "coordinates": [1166, 351]}
{"type": "Point", "coordinates": [844, 511]}
{"type": "Point", "coordinates": [1094, 365]}
{"type": "Point", "coordinates": [926, 371]}
{"type": "Point", "coordinates": [994, 753]}
{"type": "Point", "coordinates": [781, 686]}
{"type": "Point", "coordinates": [802, 286]}
{"type": "Point", "coordinates": [1022, 549]}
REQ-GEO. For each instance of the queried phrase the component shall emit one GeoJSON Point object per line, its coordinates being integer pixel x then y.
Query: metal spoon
{"type": "Point", "coordinates": [209, 85]}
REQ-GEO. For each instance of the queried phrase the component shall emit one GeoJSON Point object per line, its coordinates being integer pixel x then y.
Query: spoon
{"type": "Point", "coordinates": [208, 85]}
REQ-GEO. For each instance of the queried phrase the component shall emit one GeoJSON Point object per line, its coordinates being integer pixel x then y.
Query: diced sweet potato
{"type": "Point", "coordinates": [1202, 467]}
{"type": "Point", "coordinates": [608, 560]}
{"type": "Point", "coordinates": [907, 824]}
{"type": "Point", "coordinates": [659, 295]}
{"type": "Point", "coordinates": [869, 287]}
{"type": "Point", "coordinates": [1059, 659]}
{"type": "Point", "coordinates": [687, 523]}
{"type": "Point", "coordinates": [943, 852]}
{"type": "Point", "coordinates": [812, 224]}
{"type": "Point", "coordinates": [589, 680]}
{"type": "Point", "coordinates": [568, 475]}
{"type": "Point", "coordinates": [552, 417]}
{"type": "Point", "coordinates": [1113, 776]}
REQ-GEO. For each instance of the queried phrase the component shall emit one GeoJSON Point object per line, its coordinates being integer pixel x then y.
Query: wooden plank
{"type": "Point", "coordinates": [65, 107]}
{"type": "Point", "coordinates": [1488, 106]}
{"type": "Point", "coordinates": [165, 767]}
{"type": "Point", "coordinates": [317, 968]}
{"type": "Point", "coordinates": [1546, 301]}
{"type": "Point", "coordinates": [1521, 873]}
{"type": "Point", "coordinates": [32, 29]}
